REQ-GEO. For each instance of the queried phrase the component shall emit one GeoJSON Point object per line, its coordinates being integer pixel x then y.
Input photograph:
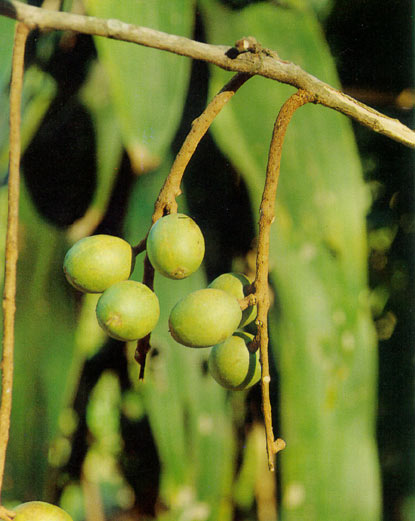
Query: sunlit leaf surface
{"type": "Point", "coordinates": [148, 86]}
{"type": "Point", "coordinates": [323, 338]}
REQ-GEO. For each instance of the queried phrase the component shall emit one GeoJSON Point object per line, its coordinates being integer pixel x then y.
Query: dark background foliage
{"type": "Point", "coordinates": [374, 47]}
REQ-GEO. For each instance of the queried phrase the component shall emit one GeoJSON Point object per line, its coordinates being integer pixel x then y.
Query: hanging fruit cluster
{"type": "Point", "coordinates": [128, 310]}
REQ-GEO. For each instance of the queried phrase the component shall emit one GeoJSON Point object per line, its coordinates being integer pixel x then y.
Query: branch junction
{"type": "Point", "coordinates": [247, 56]}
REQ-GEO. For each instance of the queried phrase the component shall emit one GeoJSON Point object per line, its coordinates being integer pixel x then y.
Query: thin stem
{"type": "Point", "coordinates": [267, 215]}
{"type": "Point", "coordinates": [143, 345]}
{"type": "Point", "coordinates": [166, 200]}
{"type": "Point", "coordinates": [140, 247]}
{"type": "Point", "coordinates": [9, 293]}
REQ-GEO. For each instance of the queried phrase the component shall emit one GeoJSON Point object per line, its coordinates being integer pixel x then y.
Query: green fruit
{"type": "Point", "coordinates": [204, 318]}
{"type": "Point", "coordinates": [232, 365]}
{"type": "Point", "coordinates": [235, 284]}
{"type": "Point", "coordinates": [95, 263]}
{"type": "Point", "coordinates": [128, 310]}
{"type": "Point", "coordinates": [175, 246]}
{"type": "Point", "coordinates": [40, 511]}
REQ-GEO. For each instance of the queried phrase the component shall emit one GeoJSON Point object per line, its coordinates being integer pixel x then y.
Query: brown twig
{"type": "Point", "coordinates": [140, 247]}
{"type": "Point", "coordinates": [9, 293]}
{"type": "Point", "coordinates": [265, 63]}
{"type": "Point", "coordinates": [143, 345]}
{"type": "Point", "coordinates": [267, 215]}
{"type": "Point", "coordinates": [166, 200]}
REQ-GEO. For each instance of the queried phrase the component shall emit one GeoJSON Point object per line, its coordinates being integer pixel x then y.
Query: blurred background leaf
{"type": "Point", "coordinates": [43, 354]}
{"type": "Point", "coordinates": [148, 87]}
{"type": "Point", "coordinates": [6, 43]}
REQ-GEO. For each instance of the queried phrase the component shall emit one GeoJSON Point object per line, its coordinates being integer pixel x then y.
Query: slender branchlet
{"type": "Point", "coordinates": [267, 216]}
{"type": "Point", "coordinates": [166, 201]}
{"type": "Point", "coordinates": [143, 345]}
{"type": "Point", "coordinates": [140, 247]}
{"type": "Point", "coordinates": [9, 292]}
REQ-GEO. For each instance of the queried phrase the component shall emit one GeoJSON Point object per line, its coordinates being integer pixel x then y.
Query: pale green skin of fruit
{"type": "Point", "coordinates": [235, 284]}
{"type": "Point", "coordinates": [95, 263]}
{"type": "Point", "coordinates": [175, 246]}
{"type": "Point", "coordinates": [128, 310]}
{"type": "Point", "coordinates": [204, 318]}
{"type": "Point", "coordinates": [40, 511]}
{"type": "Point", "coordinates": [232, 365]}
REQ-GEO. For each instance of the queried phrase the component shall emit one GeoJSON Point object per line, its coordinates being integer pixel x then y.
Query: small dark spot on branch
{"type": "Point", "coordinates": [232, 53]}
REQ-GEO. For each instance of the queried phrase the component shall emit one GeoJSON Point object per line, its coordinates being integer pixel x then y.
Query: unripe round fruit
{"type": "Point", "coordinates": [235, 284]}
{"type": "Point", "coordinates": [128, 310]}
{"type": "Point", "coordinates": [40, 511]}
{"type": "Point", "coordinates": [204, 318]}
{"type": "Point", "coordinates": [232, 365]}
{"type": "Point", "coordinates": [95, 263]}
{"type": "Point", "coordinates": [175, 246]}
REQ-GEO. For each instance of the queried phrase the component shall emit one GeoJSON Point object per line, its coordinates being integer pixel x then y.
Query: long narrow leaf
{"type": "Point", "coordinates": [324, 342]}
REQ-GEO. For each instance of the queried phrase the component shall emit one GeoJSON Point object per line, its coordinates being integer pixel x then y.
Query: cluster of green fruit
{"type": "Point", "coordinates": [213, 317]}
{"type": "Point", "coordinates": [128, 310]}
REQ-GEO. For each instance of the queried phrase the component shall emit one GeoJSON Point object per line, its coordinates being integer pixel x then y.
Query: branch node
{"type": "Point", "coordinates": [279, 444]}
{"type": "Point", "coordinates": [249, 300]}
{"type": "Point", "coordinates": [248, 44]}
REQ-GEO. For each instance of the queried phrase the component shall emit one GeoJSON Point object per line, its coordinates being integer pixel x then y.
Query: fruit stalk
{"type": "Point", "coordinates": [11, 255]}
{"type": "Point", "coordinates": [166, 200]}
{"type": "Point", "coordinates": [143, 345]}
{"type": "Point", "coordinates": [267, 216]}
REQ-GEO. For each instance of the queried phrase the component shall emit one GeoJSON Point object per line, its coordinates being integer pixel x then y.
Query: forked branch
{"type": "Point", "coordinates": [249, 59]}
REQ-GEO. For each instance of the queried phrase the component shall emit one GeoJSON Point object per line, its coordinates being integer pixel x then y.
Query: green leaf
{"type": "Point", "coordinates": [148, 86]}
{"type": "Point", "coordinates": [6, 45]}
{"type": "Point", "coordinates": [43, 352]}
{"type": "Point", "coordinates": [323, 337]}
{"type": "Point", "coordinates": [109, 148]}
{"type": "Point", "coordinates": [38, 91]}
{"type": "Point", "coordinates": [322, 8]}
